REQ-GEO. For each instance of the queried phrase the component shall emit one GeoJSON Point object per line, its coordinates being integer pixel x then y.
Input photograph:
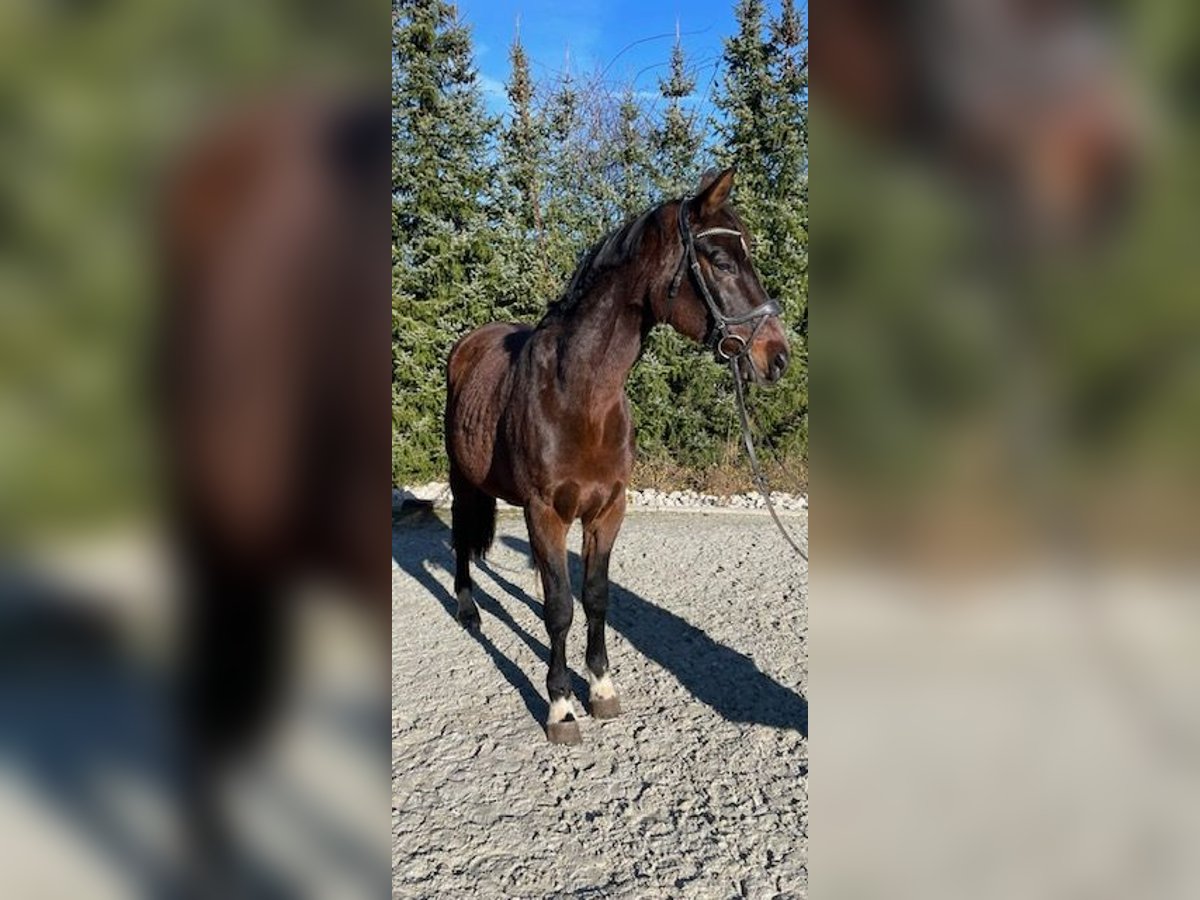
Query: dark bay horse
{"type": "Point", "coordinates": [270, 401]}
{"type": "Point", "coordinates": [1026, 103]}
{"type": "Point", "coordinates": [538, 416]}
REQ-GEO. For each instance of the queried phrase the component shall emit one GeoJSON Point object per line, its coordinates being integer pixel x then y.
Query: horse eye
{"type": "Point", "coordinates": [725, 264]}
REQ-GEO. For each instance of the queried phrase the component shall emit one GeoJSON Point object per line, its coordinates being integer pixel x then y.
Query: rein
{"type": "Point", "coordinates": [760, 480]}
{"type": "Point", "coordinates": [718, 334]}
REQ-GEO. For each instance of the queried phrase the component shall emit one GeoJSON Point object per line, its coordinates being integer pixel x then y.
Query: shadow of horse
{"type": "Point", "coordinates": [720, 677]}
{"type": "Point", "coordinates": [426, 539]}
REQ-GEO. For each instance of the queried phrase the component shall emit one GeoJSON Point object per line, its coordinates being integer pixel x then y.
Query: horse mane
{"type": "Point", "coordinates": [614, 249]}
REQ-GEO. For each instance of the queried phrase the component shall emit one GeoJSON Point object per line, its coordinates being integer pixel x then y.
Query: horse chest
{"type": "Point", "coordinates": [596, 445]}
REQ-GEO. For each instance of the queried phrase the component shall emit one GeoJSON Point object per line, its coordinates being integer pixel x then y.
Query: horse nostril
{"type": "Point", "coordinates": [779, 365]}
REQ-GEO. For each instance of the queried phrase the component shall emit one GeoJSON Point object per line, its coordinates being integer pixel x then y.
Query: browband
{"type": "Point", "coordinates": [737, 234]}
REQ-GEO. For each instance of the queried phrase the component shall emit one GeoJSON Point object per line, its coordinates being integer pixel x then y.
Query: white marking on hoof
{"type": "Point", "coordinates": [560, 709]}
{"type": "Point", "coordinates": [600, 688]}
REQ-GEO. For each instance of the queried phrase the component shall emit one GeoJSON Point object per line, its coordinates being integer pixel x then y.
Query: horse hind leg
{"type": "Point", "coordinates": [473, 525]}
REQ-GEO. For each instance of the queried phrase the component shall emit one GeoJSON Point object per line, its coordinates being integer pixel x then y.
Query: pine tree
{"type": "Point", "coordinates": [745, 102]}
{"type": "Point", "coordinates": [677, 141]}
{"type": "Point", "coordinates": [440, 245]}
{"type": "Point", "coordinates": [764, 134]}
{"type": "Point", "coordinates": [568, 217]}
{"type": "Point", "coordinates": [680, 398]}
{"type": "Point", "coordinates": [520, 275]}
{"type": "Point", "coordinates": [633, 162]}
{"type": "Point", "coordinates": [523, 142]}
{"type": "Point", "coordinates": [787, 150]}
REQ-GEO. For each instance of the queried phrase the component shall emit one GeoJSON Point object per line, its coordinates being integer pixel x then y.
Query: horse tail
{"type": "Point", "coordinates": [473, 518]}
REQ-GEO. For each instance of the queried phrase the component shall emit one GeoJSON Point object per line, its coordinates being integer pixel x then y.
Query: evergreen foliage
{"type": "Point", "coordinates": [441, 247]}
{"type": "Point", "coordinates": [682, 403]}
{"type": "Point", "coordinates": [490, 218]}
{"type": "Point", "coordinates": [633, 156]}
{"type": "Point", "coordinates": [521, 273]}
{"type": "Point", "coordinates": [764, 133]}
{"type": "Point", "coordinates": [677, 141]}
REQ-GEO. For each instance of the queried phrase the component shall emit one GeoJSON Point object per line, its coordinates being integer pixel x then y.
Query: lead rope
{"type": "Point", "coordinates": [760, 480]}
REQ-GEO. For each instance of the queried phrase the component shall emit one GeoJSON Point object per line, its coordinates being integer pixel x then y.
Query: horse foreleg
{"type": "Point", "coordinates": [548, 538]}
{"type": "Point", "coordinates": [598, 538]}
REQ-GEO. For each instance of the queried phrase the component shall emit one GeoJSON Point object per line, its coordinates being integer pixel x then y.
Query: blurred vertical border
{"type": "Point", "coordinates": [1005, 434]}
{"type": "Point", "coordinates": [102, 102]}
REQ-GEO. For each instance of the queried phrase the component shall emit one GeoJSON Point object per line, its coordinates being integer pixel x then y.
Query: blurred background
{"type": "Point", "coordinates": [182, 211]}
{"type": "Point", "coordinates": [1007, 384]}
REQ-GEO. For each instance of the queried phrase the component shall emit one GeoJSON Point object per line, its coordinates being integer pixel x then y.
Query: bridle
{"type": "Point", "coordinates": [719, 334]}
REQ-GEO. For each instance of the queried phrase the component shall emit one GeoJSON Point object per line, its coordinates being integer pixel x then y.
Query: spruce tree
{"type": "Point", "coordinates": [440, 242]}
{"type": "Point", "coordinates": [632, 156]}
{"type": "Point", "coordinates": [523, 142]}
{"type": "Point", "coordinates": [566, 210]}
{"type": "Point", "coordinates": [491, 217]}
{"type": "Point", "coordinates": [787, 152]}
{"type": "Point", "coordinates": [764, 134]}
{"type": "Point", "coordinates": [745, 103]}
{"type": "Point", "coordinates": [677, 141]}
{"type": "Point", "coordinates": [785, 268]}
{"type": "Point", "coordinates": [680, 398]}
{"type": "Point", "coordinates": [521, 277]}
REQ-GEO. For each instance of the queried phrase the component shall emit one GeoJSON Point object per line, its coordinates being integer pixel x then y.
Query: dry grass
{"type": "Point", "coordinates": [730, 476]}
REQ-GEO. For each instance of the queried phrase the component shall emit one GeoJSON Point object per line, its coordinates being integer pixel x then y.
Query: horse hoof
{"type": "Point", "coordinates": [606, 708]}
{"type": "Point", "coordinates": [565, 732]}
{"type": "Point", "coordinates": [469, 619]}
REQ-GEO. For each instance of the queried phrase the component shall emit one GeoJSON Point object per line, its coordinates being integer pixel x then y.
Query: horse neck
{"type": "Point", "coordinates": [602, 339]}
{"type": "Point", "coordinates": [602, 336]}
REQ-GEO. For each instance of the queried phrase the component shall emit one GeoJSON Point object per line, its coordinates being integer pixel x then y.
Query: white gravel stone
{"type": "Point", "coordinates": [438, 493]}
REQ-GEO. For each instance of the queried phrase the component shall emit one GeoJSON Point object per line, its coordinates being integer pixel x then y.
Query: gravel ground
{"type": "Point", "coordinates": [700, 788]}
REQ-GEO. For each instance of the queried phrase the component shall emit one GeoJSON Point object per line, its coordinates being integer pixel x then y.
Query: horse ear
{"type": "Point", "coordinates": [714, 191]}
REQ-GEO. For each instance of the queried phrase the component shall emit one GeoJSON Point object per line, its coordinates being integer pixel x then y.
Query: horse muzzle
{"type": "Point", "coordinates": [764, 359]}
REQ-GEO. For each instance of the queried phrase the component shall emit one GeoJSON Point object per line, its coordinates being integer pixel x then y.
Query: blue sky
{"type": "Point", "coordinates": [598, 35]}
